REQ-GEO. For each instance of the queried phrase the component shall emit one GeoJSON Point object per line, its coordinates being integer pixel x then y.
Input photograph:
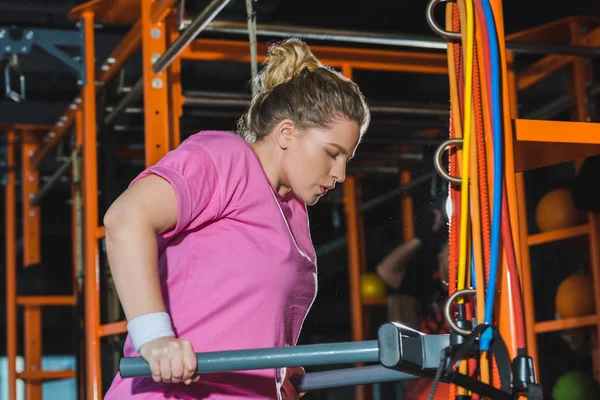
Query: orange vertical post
{"type": "Point", "coordinates": [407, 208]}
{"type": "Point", "coordinates": [10, 228]}
{"type": "Point", "coordinates": [354, 264]}
{"type": "Point", "coordinates": [350, 204]}
{"type": "Point", "coordinates": [156, 91]}
{"type": "Point", "coordinates": [31, 255]}
{"type": "Point", "coordinates": [504, 305]}
{"type": "Point", "coordinates": [33, 350]}
{"type": "Point", "coordinates": [522, 232]}
{"type": "Point", "coordinates": [175, 95]}
{"type": "Point", "coordinates": [31, 215]}
{"type": "Point", "coordinates": [356, 255]}
{"type": "Point", "coordinates": [77, 244]}
{"type": "Point", "coordinates": [90, 204]}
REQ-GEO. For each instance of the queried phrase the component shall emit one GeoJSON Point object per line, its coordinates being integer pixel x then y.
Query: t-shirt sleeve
{"type": "Point", "coordinates": [193, 174]}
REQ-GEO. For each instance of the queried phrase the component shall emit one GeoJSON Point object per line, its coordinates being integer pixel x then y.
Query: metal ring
{"type": "Point", "coordinates": [450, 36]}
{"type": "Point", "coordinates": [437, 160]}
{"type": "Point", "coordinates": [448, 317]}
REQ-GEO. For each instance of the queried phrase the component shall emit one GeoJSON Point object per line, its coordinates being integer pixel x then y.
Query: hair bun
{"type": "Point", "coordinates": [285, 60]}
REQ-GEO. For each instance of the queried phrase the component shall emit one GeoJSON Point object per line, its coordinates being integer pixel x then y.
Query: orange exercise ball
{"type": "Point", "coordinates": [371, 286]}
{"type": "Point", "coordinates": [556, 210]}
{"type": "Point", "coordinates": [575, 296]}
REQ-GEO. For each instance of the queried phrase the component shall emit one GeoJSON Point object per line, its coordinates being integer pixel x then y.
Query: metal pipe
{"type": "Point", "coordinates": [239, 360]}
{"type": "Point", "coordinates": [374, 202]}
{"type": "Point", "coordinates": [348, 377]}
{"type": "Point", "coordinates": [370, 169]}
{"type": "Point", "coordinates": [197, 26]}
{"type": "Point", "coordinates": [414, 41]}
{"type": "Point", "coordinates": [207, 99]}
{"type": "Point", "coordinates": [399, 156]}
{"type": "Point", "coordinates": [37, 198]}
{"type": "Point", "coordinates": [336, 35]}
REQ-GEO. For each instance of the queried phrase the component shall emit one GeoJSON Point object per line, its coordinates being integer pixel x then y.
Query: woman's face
{"type": "Point", "coordinates": [316, 159]}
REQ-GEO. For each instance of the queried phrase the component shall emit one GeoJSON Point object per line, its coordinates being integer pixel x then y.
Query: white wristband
{"type": "Point", "coordinates": [149, 327]}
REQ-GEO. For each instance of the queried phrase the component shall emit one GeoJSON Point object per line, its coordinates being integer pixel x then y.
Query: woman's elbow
{"type": "Point", "coordinates": [112, 218]}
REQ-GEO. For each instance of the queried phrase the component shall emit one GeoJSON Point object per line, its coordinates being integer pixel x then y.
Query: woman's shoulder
{"type": "Point", "coordinates": [216, 141]}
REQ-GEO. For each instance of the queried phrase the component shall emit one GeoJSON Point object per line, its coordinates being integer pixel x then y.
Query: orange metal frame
{"type": "Point", "coordinates": [561, 142]}
{"type": "Point", "coordinates": [153, 29]}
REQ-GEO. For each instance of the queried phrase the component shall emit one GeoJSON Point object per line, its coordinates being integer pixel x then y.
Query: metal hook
{"type": "Point", "coordinates": [449, 36]}
{"type": "Point", "coordinates": [437, 160]}
{"type": "Point", "coordinates": [13, 66]}
{"type": "Point", "coordinates": [448, 317]}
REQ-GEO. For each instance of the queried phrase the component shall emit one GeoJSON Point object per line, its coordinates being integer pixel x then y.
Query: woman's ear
{"type": "Point", "coordinates": [284, 133]}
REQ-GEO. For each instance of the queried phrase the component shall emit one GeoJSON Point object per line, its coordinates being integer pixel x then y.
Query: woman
{"type": "Point", "coordinates": [226, 215]}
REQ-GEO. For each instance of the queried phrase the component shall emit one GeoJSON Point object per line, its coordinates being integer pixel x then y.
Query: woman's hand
{"type": "Point", "coordinates": [288, 391]}
{"type": "Point", "coordinates": [171, 360]}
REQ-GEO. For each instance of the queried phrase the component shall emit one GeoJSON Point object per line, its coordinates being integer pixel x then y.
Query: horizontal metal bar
{"type": "Point", "coordinates": [397, 156]}
{"type": "Point", "coordinates": [58, 37]}
{"type": "Point", "coordinates": [210, 99]}
{"type": "Point", "coordinates": [348, 377]}
{"type": "Point", "coordinates": [373, 169]}
{"type": "Point", "coordinates": [189, 34]}
{"type": "Point", "coordinates": [335, 35]}
{"type": "Point", "coordinates": [37, 198]}
{"type": "Point", "coordinates": [239, 360]}
{"type": "Point", "coordinates": [402, 190]}
{"type": "Point", "coordinates": [413, 41]}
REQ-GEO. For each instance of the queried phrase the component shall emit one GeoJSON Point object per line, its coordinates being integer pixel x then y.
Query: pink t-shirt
{"type": "Point", "coordinates": [238, 271]}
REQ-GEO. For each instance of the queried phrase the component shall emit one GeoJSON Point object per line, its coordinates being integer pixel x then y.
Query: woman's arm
{"type": "Point", "coordinates": [132, 223]}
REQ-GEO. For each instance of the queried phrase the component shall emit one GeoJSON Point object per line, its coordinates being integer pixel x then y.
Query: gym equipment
{"type": "Point", "coordinates": [371, 286]}
{"type": "Point", "coordinates": [575, 296]}
{"type": "Point", "coordinates": [556, 210]}
{"type": "Point", "coordinates": [576, 385]}
{"type": "Point", "coordinates": [401, 353]}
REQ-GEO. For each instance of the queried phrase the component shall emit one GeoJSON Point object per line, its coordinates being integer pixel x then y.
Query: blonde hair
{"type": "Point", "coordinates": [294, 84]}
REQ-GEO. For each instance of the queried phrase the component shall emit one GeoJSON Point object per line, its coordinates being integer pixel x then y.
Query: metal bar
{"type": "Point", "coordinates": [332, 245]}
{"type": "Point", "coordinates": [155, 90]}
{"type": "Point", "coordinates": [403, 156]}
{"type": "Point", "coordinates": [197, 26]}
{"type": "Point", "coordinates": [374, 202]}
{"type": "Point", "coordinates": [373, 169]}
{"type": "Point", "coordinates": [348, 377]}
{"type": "Point", "coordinates": [195, 98]}
{"type": "Point", "coordinates": [217, 99]}
{"type": "Point", "coordinates": [10, 236]}
{"type": "Point", "coordinates": [93, 367]}
{"type": "Point", "coordinates": [131, 97]}
{"type": "Point", "coordinates": [37, 198]}
{"type": "Point", "coordinates": [421, 42]}
{"type": "Point", "coordinates": [354, 259]}
{"type": "Point", "coordinates": [240, 360]}
{"type": "Point", "coordinates": [31, 215]}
